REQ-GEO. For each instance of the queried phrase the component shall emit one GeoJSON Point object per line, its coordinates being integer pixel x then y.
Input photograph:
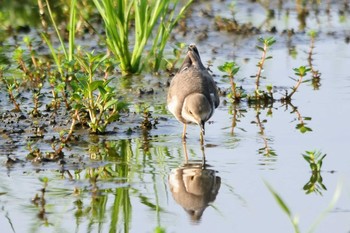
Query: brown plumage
{"type": "Point", "coordinates": [193, 96]}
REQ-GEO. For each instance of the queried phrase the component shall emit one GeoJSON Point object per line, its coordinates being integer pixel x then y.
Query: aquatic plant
{"type": "Point", "coordinates": [177, 52]}
{"type": "Point", "coordinates": [301, 72]}
{"type": "Point", "coordinates": [36, 95]}
{"type": "Point", "coordinates": [96, 97]}
{"type": "Point", "coordinates": [156, 17]}
{"type": "Point", "coordinates": [149, 122]}
{"type": "Point", "coordinates": [231, 69]}
{"type": "Point", "coordinates": [264, 45]}
{"type": "Point", "coordinates": [12, 86]}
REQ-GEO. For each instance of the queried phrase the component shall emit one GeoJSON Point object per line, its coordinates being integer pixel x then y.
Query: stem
{"type": "Point", "coordinates": [72, 126]}
{"type": "Point", "coordinates": [233, 87]}
{"type": "Point", "coordinates": [260, 65]}
{"type": "Point", "coordinates": [13, 100]}
{"type": "Point", "coordinates": [295, 88]}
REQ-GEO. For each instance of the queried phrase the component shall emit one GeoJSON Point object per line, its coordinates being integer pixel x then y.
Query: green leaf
{"type": "Point", "coordinates": [279, 200]}
{"type": "Point", "coordinates": [95, 84]}
{"type": "Point", "coordinates": [44, 179]}
{"type": "Point", "coordinates": [260, 48]}
{"type": "Point", "coordinates": [270, 41]}
{"type": "Point", "coordinates": [110, 103]}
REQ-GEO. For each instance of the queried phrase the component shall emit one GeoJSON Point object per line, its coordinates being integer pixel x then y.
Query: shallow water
{"type": "Point", "coordinates": [137, 172]}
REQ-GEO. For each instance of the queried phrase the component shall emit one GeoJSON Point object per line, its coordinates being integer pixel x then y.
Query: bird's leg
{"type": "Point", "coordinates": [203, 157]}
{"type": "Point", "coordinates": [184, 133]}
{"type": "Point", "coordinates": [201, 138]}
{"type": "Point", "coordinates": [185, 151]}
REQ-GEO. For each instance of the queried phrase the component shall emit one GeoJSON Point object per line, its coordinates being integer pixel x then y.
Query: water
{"type": "Point", "coordinates": [124, 183]}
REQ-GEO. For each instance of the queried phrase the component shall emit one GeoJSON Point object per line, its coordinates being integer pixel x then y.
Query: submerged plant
{"type": "Point", "coordinates": [155, 17]}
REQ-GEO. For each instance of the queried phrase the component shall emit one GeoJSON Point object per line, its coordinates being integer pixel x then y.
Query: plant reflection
{"type": "Point", "coordinates": [194, 186]}
{"type": "Point", "coordinates": [302, 125]}
{"type": "Point", "coordinates": [116, 199]}
{"type": "Point", "coordinates": [266, 150]}
{"type": "Point", "coordinates": [315, 184]}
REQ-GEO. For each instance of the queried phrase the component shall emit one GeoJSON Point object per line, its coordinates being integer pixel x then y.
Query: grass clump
{"type": "Point", "coordinates": [155, 17]}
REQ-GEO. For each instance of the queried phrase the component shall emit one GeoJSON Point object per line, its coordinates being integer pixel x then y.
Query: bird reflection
{"type": "Point", "coordinates": [194, 186]}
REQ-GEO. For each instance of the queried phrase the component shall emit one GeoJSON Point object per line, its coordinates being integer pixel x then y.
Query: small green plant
{"type": "Point", "coordinates": [264, 45]}
{"type": "Point", "coordinates": [13, 92]}
{"type": "Point", "coordinates": [96, 97]}
{"type": "Point", "coordinates": [301, 72]}
{"type": "Point", "coordinates": [177, 52]}
{"type": "Point", "coordinates": [149, 122]}
{"type": "Point", "coordinates": [36, 95]}
{"type": "Point", "coordinates": [231, 69]}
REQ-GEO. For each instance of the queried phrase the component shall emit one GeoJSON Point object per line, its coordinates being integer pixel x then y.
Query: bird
{"type": "Point", "coordinates": [192, 95]}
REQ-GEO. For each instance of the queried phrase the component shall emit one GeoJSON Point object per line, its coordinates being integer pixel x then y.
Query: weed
{"type": "Point", "coordinates": [264, 45]}
{"type": "Point", "coordinates": [301, 72]}
{"type": "Point", "coordinates": [177, 52]}
{"type": "Point", "coordinates": [13, 92]}
{"type": "Point", "coordinates": [231, 69]}
{"type": "Point", "coordinates": [36, 95]}
{"type": "Point", "coordinates": [102, 108]}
